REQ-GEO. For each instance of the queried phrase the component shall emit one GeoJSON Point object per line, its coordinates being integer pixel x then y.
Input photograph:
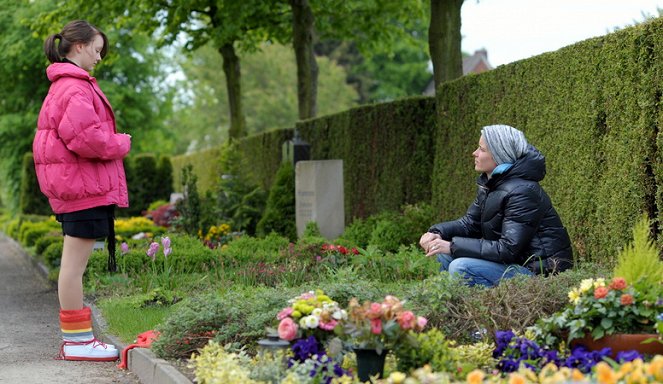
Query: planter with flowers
{"type": "Point", "coordinates": [374, 328]}
{"type": "Point", "coordinates": [603, 314]}
{"type": "Point", "coordinates": [310, 314]}
{"type": "Point", "coordinates": [627, 308]}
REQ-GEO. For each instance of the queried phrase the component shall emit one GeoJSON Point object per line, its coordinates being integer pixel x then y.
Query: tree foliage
{"type": "Point", "coordinates": [269, 95]}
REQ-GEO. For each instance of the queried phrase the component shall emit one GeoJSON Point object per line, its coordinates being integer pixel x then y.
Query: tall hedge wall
{"type": "Point", "coordinates": [387, 152]}
{"type": "Point", "coordinates": [594, 110]}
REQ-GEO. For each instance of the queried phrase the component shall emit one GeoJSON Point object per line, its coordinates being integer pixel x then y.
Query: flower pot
{"type": "Point", "coordinates": [622, 342]}
{"type": "Point", "coordinates": [369, 363]}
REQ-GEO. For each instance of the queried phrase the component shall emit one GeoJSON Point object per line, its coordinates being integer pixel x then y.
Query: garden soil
{"type": "Point", "coordinates": [29, 329]}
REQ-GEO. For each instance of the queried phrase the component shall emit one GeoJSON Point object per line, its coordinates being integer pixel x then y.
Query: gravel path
{"type": "Point", "coordinates": [29, 329]}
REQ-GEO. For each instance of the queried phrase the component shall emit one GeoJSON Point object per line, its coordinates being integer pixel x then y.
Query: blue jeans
{"type": "Point", "coordinates": [481, 272]}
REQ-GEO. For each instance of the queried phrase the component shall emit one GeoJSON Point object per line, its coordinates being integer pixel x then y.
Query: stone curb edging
{"type": "Point", "coordinates": [141, 361]}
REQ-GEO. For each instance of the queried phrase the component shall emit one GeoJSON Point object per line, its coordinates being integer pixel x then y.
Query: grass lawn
{"type": "Point", "coordinates": [126, 319]}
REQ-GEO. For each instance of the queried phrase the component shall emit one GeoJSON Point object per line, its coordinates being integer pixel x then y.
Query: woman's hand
{"type": "Point", "coordinates": [433, 244]}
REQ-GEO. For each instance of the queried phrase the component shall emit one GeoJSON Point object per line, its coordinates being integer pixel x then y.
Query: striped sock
{"type": "Point", "coordinates": [76, 325]}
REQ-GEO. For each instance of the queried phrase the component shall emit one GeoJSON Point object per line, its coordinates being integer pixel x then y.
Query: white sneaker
{"type": "Point", "coordinates": [92, 350]}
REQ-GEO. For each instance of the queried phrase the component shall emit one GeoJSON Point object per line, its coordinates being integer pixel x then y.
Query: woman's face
{"type": "Point", "coordinates": [483, 159]}
{"type": "Point", "coordinates": [90, 54]}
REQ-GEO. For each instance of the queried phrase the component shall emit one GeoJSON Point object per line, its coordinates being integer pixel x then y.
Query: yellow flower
{"type": "Point", "coordinates": [574, 296]}
{"type": "Point", "coordinates": [516, 378]}
{"type": "Point", "coordinates": [586, 285]}
{"type": "Point", "coordinates": [577, 375]}
{"type": "Point", "coordinates": [600, 282]}
{"type": "Point", "coordinates": [605, 374]}
{"type": "Point", "coordinates": [475, 377]}
{"type": "Point", "coordinates": [397, 377]}
{"type": "Point", "coordinates": [625, 368]}
{"type": "Point", "coordinates": [655, 368]}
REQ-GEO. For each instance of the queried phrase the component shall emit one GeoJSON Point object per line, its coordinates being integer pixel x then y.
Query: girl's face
{"type": "Point", "coordinates": [88, 55]}
{"type": "Point", "coordinates": [483, 159]}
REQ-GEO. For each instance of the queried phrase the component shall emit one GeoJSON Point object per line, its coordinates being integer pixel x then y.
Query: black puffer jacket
{"type": "Point", "coordinates": [512, 221]}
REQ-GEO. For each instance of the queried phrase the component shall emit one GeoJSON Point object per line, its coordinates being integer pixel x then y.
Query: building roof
{"type": "Point", "coordinates": [476, 63]}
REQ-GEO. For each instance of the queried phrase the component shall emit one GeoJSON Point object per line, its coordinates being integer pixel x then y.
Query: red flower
{"type": "Point", "coordinates": [601, 292]}
{"type": "Point", "coordinates": [342, 249]}
{"type": "Point", "coordinates": [626, 299]}
{"type": "Point", "coordinates": [618, 283]}
{"type": "Point", "coordinates": [355, 251]}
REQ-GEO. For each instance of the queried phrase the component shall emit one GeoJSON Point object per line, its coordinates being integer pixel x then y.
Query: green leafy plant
{"type": "Point", "coordinates": [640, 263]}
{"type": "Point", "coordinates": [279, 215]}
{"type": "Point", "coordinates": [431, 347]}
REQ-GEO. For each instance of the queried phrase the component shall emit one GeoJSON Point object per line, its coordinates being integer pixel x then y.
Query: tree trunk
{"type": "Point", "coordinates": [233, 85]}
{"type": "Point", "coordinates": [307, 67]}
{"type": "Point", "coordinates": [444, 40]}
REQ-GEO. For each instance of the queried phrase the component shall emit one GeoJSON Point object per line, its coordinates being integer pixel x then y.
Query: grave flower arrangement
{"type": "Point", "coordinates": [310, 314]}
{"type": "Point", "coordinates": [380, 325]}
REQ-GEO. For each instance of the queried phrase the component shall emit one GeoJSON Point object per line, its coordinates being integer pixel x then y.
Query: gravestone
{"type": "Point", "coordinates": [319, 196]}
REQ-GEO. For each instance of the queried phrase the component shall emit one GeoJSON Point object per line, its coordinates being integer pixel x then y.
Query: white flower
{"type": "Point", "coordinates": [316, 312]}
{"type": "Point", "coordinates": [310, 322]}
{"type": "Point", "coordinates": [340, 315]}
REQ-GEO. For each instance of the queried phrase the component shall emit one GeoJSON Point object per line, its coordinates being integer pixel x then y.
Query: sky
{"type": "Point", "coordinates": [512, 30]}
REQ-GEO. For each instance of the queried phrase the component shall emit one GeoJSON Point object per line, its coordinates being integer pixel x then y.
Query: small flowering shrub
{"type": "Point", "coordinates": [128, 227]}
{"type": "Point", "coordinates": [163, 215]}
{"type": "Point", "coordinates": [217, 236]}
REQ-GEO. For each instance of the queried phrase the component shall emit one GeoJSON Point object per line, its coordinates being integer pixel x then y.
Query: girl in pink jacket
{"type": "Point", "coordinates": [78, 159]}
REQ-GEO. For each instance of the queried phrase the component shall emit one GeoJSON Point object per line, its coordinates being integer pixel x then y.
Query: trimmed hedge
{"type": "Point", "coordinates": [593, 108]}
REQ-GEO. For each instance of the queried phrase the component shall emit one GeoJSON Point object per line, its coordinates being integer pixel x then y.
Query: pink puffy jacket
{"type": "Point", "coordinates": [77, 150]}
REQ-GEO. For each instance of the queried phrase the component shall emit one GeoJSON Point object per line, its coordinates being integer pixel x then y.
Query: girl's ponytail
{"type": "Point", "coordinates": [51, 49]}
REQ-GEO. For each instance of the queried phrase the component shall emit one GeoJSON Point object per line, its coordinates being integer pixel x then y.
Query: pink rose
{"type": "Point", "coordinates": [328, 325]}
{"type": "Point", "coordinates": [374, 311]}
{"type": "Point", "coordinates": [284, 313]}
{"type": "Point", "coordinates": [287, 329]}
{"type": "Point", "coordinates": [376, 326]}
{"type": "Point", "coordinates": [421, 322]}
{"type": "Point", "coordinates": [407, 320]}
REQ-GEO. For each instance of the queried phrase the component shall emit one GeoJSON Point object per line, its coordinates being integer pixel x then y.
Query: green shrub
{"type": "Point", "coordinates": [143, 183]}
{"type": "Point", "coordinates": [190, 206]}
{"type": "Point", "coordinates": [52, 254]}
{"type": "Point", "coordinates": [279, 215]}
{"type": "Point", "coordinates": [248, 248]}
{"type": "Point", "coordinates": [639, 262]}
{"type": "Point", "coordinates": [34, 231]}
{"type": "Point", "coordinates": [430, 347]}
{"type": "Point", "coordinates": [239, 201]}
{"type": "Point", "coordinates": [13, 227]}
{"type": "Point", "coordinates": [164, 179]}
{"type": "Point", "coordinates": [359, 231]}
{"type": "Point", "coordinates": [43, 242]}
{"type": "Point", "coordinates": [35, 227]}
{"type": "Point", "coordinates": [390, 233]}
{"type": "Point", "coordinates": [32, 200]}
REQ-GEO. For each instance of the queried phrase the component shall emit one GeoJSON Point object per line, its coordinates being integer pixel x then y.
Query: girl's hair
{"type": "Point", "coordinates": [75, 32]}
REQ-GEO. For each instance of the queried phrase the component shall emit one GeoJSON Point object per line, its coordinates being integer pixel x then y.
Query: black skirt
{"type": "Point", "coordinates": [92, 223]}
